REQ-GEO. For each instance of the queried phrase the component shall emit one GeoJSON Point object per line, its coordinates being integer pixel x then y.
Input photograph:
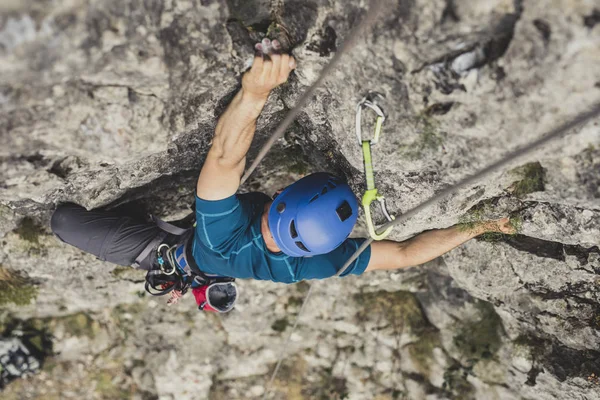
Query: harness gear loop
{"type": "Point", "coordinates": [371, 194]}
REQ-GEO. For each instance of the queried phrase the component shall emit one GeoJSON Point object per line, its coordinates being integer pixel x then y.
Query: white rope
{"type": "Point", "coordinates": [369, 20]}
{"type": "Point", "coordinates": [513, 155]}
{"type": "Point", "coordinates": [582, 118]}
{"type": "Point", "coordinates": [287, 341]}
{"type": "Point", "coordinates": [349, 43]}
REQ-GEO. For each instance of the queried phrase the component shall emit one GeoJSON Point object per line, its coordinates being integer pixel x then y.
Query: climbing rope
{"type": "Point", "coordinates": [287, 341]}
{"type": "Point", "coordinates": [582, 118]}
{"type": "Point", "coordinates": [512, 156]}
{"type": "Point", "coordinates": [350, 42]}
{"type": "Point", "coordinates": [370, 101]}
{"type": "Point", "coordinates": [369, 20]}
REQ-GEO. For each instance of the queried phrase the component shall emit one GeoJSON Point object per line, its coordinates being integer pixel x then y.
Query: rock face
{"type": "Point", "coordinates": [106, 103]}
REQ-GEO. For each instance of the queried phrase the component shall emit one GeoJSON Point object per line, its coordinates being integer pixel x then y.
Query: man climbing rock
{"type": "Point", "coordinates": [301, 234]}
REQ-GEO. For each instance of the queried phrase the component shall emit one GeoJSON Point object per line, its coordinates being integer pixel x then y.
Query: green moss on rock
{"type": "Point", "coordinates": [120, 270]}
{"type": "Point", "coordinates": [403, 311]}
{"type": "Point", "coordinates": [128, 273]}
{"type": "Point", "coordinates": [123, 314]}
{"type": "Point", "coordinates": [421, 352]}
{"type": "Point", "coordinates": [455, 385]}
{"type": "Point", "coordinates": [15, 288]}
{"type": "Point", "coordinates": [429, 138]}
{"type": "Point", "coordinates": [295, 301]}
{"type": "Point", "coordinates": [401, 308]}
{"type": "Point", "coordinates": [481, 337]}
{"type": "Point", "coordinates": [28, 230]}
{"type": "Point", "coordinates": [302, 287]}
{"type": "Point", "coordinates": [291, 159]}
{"type": "Point", "coordinates": [280, 325]}
{"type": "Point", "coordinates": [292, 384]}
{"type": "Point", "coordinates": [106, 388]}
{"type": "Point", "coordinates": [80, 324]}
{"type": "Point", "coordinates": [531, 179]}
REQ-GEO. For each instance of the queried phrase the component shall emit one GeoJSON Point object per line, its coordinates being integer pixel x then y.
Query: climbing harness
{"type": "Point", "coordinates": [166, 275]}
{"type": "Point", "coordinates": [174, 269]}
{"type": "Point", "coordinates": [370, 19]}
{"type": "Point", "coordinates": [370, 101]}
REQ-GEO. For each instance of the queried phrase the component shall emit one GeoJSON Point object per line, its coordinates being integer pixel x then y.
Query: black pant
{"type": "Point", "coordinates": [108, 235]}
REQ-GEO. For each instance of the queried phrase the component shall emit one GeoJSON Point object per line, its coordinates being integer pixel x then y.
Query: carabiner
{"type": "Point", "coordinates": [368, 198]}
{"type": "Point", "coordinates": [371, 194]}
{"type": "Point", "coordinates": [161, 261]}
{"type": "Point", "coordinates": [370, 101]}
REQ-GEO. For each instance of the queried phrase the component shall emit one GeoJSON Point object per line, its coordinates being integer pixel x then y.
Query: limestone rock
{"type": "Point", "coordinates": [114, 103]}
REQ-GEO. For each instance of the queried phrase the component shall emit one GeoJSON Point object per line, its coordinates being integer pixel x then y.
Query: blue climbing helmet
{"type": "Point", "coordinates": [313, 216]}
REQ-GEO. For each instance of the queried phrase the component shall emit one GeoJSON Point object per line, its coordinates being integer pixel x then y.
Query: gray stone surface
{"type": "Point", "coordinates": [109, 102]}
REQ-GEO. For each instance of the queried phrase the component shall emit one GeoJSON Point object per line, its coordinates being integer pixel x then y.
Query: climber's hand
{"type": "Point", "coordinates": [267, 72]}
{"type": "Point", "coordinates": [502, 225]}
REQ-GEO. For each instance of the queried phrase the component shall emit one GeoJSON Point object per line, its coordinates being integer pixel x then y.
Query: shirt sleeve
{"type": "Point", "coordinates": [327, 265]}
{"type": "Point", "coordinates": [217, 222]}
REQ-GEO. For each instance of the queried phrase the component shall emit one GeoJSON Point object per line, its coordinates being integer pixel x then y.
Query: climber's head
{"type": "Point", "coordinates": [312, 216]}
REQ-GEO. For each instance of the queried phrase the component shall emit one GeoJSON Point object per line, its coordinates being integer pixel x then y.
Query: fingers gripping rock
{"type": "Point", "coordinates": [268, 47]}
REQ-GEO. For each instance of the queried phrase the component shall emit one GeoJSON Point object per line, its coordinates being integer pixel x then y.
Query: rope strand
{"type": "Point", "coordinates": [284, 348]}
{"type": "Point", "coordinates": [582, 118]}
{"type": "Point", "coordinates": [369, 20]}
{"type": "Point", "coordinates": [349, 43]}
{"type": "Point", "coordinates": [554, 134]}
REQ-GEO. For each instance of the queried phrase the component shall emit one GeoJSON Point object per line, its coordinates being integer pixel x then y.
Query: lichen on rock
{"type": "Point", "coordinates": [15, 288]}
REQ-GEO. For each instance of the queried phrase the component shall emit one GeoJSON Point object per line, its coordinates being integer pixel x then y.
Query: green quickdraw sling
{"type": "Point", "coordinates": [371, 194]}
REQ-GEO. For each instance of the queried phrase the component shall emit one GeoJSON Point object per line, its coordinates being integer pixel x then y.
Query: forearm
{"type": "Point", "coordinates": [224, 165]}
{"type": "Point", "coordinates": [432, 244]}
{"type": "Point", "coordinates": [420, 249]}
{"type": "Point", "coordinates": [236, 127]}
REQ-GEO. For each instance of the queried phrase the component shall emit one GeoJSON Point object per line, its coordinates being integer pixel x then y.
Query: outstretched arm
{"type": "Point", "coordinates": [428, 245]}
{"type": "Point", "coordinates": [226, 159]}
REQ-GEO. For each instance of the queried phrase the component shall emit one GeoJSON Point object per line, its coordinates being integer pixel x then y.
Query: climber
{"type": "Point", "coordinates": [301, 234]}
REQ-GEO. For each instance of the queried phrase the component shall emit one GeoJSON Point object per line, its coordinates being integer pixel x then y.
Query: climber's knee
{"type": "Point", "coordinates": [64, 219]}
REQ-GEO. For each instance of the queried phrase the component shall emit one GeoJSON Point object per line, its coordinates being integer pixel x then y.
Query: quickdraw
{"type": "Point", "coordinates": [371, 194]}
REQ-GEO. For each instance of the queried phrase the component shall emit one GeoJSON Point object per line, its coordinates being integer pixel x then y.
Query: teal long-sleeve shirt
{"type": "Point", "coordinates": [228, 242]}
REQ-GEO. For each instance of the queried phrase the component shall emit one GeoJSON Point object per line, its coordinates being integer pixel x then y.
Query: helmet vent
{"type": "Point", "coordinates": [302, 246]}
{"type": "Point", "coordinates": [316, 196]}
{"type": "Point", "coordinates": [293, 231]}
{"type": "Point", "coordinates": [324, 190]}
{"type": "Point", "coordinates": [344, 211]}
{"type": "Point", "coordinates": [331, 185]}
